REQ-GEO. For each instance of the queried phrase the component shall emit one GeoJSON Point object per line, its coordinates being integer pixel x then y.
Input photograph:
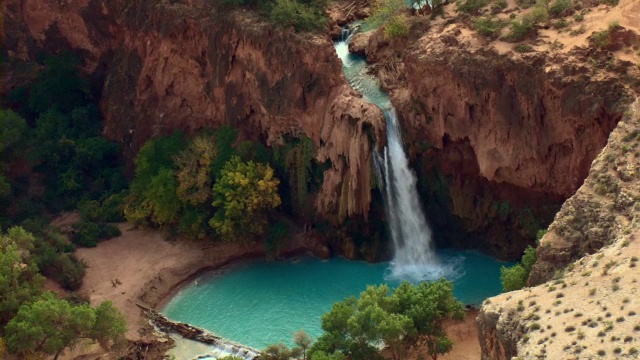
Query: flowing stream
{"type": "Point", "coordinates": [414, 255]}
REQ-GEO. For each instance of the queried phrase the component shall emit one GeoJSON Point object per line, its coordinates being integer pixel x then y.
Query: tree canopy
{"type": "Point", "coordinates": [242, 195]}
{"type": "Point", "coordinates": [411, 316]}
{"type": "Point", "coordinates": [33, 322]}
{"type": "Point", "coordinates": [50, 325]}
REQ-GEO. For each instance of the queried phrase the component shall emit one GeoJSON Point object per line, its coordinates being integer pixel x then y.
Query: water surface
{"type": "Point", "coordinates": [259, 303]}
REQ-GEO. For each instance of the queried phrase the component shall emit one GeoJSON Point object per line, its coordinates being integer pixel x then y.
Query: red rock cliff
{"type": "Point", "coordinates": [188, 65]}
{"type": "Point", "coordinates": [509, 136]}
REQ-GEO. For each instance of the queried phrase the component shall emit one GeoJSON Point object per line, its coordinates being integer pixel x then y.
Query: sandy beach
{"type": "Point", "coordinates": [140, 266]}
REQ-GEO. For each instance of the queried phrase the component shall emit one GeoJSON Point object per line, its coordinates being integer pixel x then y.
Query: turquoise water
{"type": "Point", "coordinates": [260, 303]}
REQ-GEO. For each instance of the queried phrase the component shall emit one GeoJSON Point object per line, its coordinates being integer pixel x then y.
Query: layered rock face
{"type": "Point", "coordinates": [187, 65]}
{"type": "Point", "coordinates": [590, 308]}
{"type": "Point", "coordinates": [500, 140]}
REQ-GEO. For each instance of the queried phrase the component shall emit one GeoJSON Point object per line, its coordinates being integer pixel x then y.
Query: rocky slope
{"type": "Point", "coordinates": [186, 65]}
{"type": "Point", "coordinates": [590, 308]}
{"type": "Point", "coordinates": [499, 138]}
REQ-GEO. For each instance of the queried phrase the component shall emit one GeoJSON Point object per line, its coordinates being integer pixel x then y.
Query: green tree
{"type": "Point", "coordinates": [109, 327]}
{"type": "Point", "coordinates": [195, 170]}
{"type": "Point", "coordinates": [411, 316]}
{"type": "Point", "coordinates": [279, 352]}
{"type": "Point", "coordinates": [384, 11]}
{"type": "Point", "coordinates": [303, 17]}
{"type": "Point", "coordinates": [153, 193]}
{"type": "Point", "coordinates": [515, 277]}
{"type": "Point", "coordinates": [50, 325]}
{"type": "Point", "coordinates": [59, 86]}
{"type": "Point", "coordinates": [428, 305]}
{"type": "Point", "coordinates": [242, 195]}
{"type": "Point", "coordinates": [19, 277]}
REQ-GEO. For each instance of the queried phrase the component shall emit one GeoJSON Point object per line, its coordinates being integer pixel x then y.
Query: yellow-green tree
{"type": "Point", "coordinates": [242, 196]}
{"type": "Point", "coordinates": [195, 170]}
{"type": "Point", "coordinates": [19, 277]}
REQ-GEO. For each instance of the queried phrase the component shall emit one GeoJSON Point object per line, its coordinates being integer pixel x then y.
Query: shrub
{"type": "Point", "coordinates": [560, 24]}
{"type": "Point", "coordinates": [71, 271]}
{"type": "Point", "coordinates": [515, 277]}
{"type": "Point", "coordinates": [537, 15]}
{"type": "Point", "coordinates": [523, 48]}
{"type": "Point", "coordinates": [88, 233]}
{"type": "Point", "coordinates": [525, 4]}
{"type": "Point", "coordinates": [560, 7]}
{"type": "Point", "coordinates": [519, 30]}
{"type": "Point", "coordinates": [488, 26]}
{"type": "Point", "coordinates": [302, 17]}
{"type": "Point", "coordinates": [602, 39]}
{"type": "Point", "coordinates": [499, 6]}
{"type": "Point", "coordinates": [471, 6]}
{"type": "Point", "coordinates": [396, 27]}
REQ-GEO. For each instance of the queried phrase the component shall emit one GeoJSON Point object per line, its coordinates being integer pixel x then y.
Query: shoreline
{"type": "Point", "coordinates": [151, 270]}
{"type": "Point", "coordinates": [141, 266]}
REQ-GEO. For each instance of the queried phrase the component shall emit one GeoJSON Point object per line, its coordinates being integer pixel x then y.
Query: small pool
{"type": "Point", "coordinates": [259, 302]}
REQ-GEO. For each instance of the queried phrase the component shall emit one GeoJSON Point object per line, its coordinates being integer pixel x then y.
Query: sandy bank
{"type": "Point", "coordinates": [141, 266]}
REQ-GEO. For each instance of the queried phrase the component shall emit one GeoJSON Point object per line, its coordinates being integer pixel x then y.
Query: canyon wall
{"type": "Point", "coordinates": [188, 65]}
{"type": "Point", "coordinates": [498, 140]}
{"type": "Point", "coordinates": [589, 260]}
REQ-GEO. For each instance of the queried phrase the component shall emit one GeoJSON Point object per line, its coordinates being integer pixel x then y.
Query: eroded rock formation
{"type": "Point", "coordinates": [500, 140]}
{"type": "Point", "coordinates": [588, 260]}
{"type": "Point", "coordinates": [188, 65]}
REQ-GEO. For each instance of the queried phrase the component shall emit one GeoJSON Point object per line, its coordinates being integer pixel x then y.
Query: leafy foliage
{"type": "Point", "coordinates": [36, 323]}
{"type": "Point", "coordinates": [59, 86]}
{"type": "Point", "coordinates": [471, 6]}
{"type": "Point", "coordinates": [488, 26]}
{"type": "Point", "coordinates": [560, 8]}
{"type": "Point", "coordinates": [279, 352]}
{"type": "Point", "coordinates": [411, 316]}
{"type": "Point", "coordinates": [19, 277]}
{"type": "Point", "coordinates": [386, 12]}
{"type": "Point", "coordinates": [49, 325]}
{"type": "Point", "coordinates": [301, 16]}
{"type": "Point", "coordinates": [396, 27]}
{"type": "Point", "coordinates": [153, 195]}
{"type": "Point", "coordinates": [516, 276]}
{"type": "Point", "coordinates": [242, 195]}
{"type": "Point", "coordinates": [88, 233]}
{"type": "Point", "coordinates": [54, 156]}
{"type": "Point", "coordinates": [51, 253]}
{"type": "Point", "coordinates": [194, 170]}
{"type": "Point", "coordinates": [519, 30]}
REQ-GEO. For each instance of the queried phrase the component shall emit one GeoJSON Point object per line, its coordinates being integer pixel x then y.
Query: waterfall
{"type": "Point", "coordinates": [414, 255]}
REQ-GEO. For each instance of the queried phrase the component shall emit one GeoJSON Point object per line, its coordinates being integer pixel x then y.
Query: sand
{"type": "Point", "coordinates": [129, 262]}
{"type": "Point", "coordinates": [465, 340]}
{"type": "Point", "coordinates": [146, 268]}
